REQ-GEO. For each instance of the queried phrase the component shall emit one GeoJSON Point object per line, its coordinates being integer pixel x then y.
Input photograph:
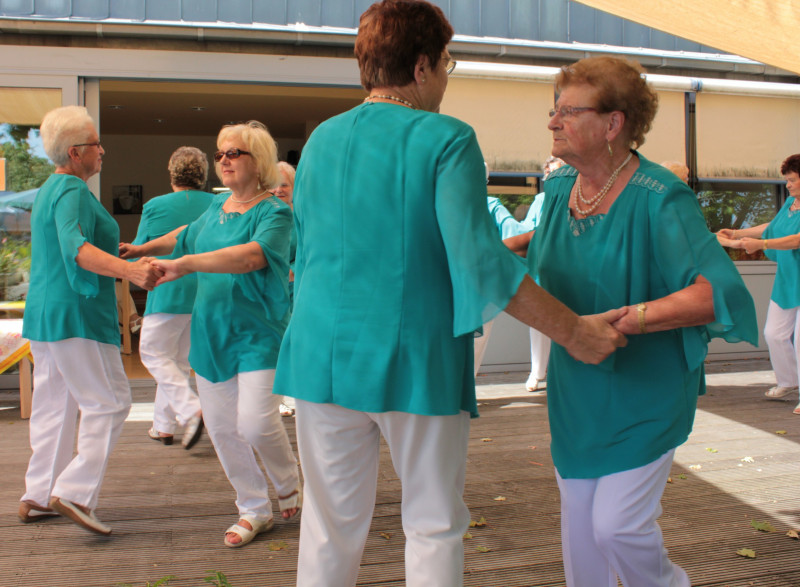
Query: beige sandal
{"type": "Point", "coordinates": [246, 534]}
{"type": "Point", "coordinates": [293, 501]}
{"type": "Point", "coordinates": [779, 391]}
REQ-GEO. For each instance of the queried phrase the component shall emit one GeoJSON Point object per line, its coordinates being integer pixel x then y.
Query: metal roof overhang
{"type": "Point", "coordinates": [300, 34]}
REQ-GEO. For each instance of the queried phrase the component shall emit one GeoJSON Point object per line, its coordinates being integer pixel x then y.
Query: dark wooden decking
{"type": "Point", "coordinates": [169, 507]}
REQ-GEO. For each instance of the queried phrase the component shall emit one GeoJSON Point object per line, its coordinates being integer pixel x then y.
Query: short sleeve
{"type": "Point", "coordinates": [685, 249]}
{"type": "Point", "coordinates": [485, 275]}
{"type": "Point", "coordinates": [72, 234]}
{"type": "Point", "coordinates": [272, 231]}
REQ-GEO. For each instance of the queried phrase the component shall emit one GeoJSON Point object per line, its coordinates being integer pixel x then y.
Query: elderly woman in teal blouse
{"type": "Point", "coordinates": [239, 249]}
{"type": "Point", "coordinates": [780, 241]}
{"type": "Point", "coordinates": [618, 231]}
{"type": "Point", "coordinates": [398, 263]}
{"type": "Point", "coordinates": [71, 314]}
{"type": "Point", "coordinates": [164, 342]}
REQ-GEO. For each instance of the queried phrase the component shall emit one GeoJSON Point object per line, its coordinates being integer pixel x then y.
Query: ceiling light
{"type": "Point", "coordinates": [198, 108]}
{"type": "Point", "coordinates": [115, 106]}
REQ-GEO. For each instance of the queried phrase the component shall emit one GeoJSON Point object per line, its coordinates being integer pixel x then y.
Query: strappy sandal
{"type": "Point", "coordinates": [779, 391]}
{"type": "Point", "coordinates": [30, 511]}
{"type": "Point", "coordinates": [246, 534]}
{"type": "Point", "coordinates": [294, 501]}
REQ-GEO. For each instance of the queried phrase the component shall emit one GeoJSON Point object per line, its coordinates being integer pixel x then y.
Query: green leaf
{"type": "Point", "coordinates": [483, 549]}
{"type": "Point", "coordinates": [762, 526]}
{"type": "Point", "coordinates": [746, 552]}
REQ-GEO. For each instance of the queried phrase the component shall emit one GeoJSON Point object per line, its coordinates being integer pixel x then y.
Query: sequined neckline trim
{"type": "Point", "coordinates": [578, 226]}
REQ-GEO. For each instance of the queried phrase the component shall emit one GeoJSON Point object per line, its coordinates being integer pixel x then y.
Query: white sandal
{"type": "Point", "coordinates": [246, 534]}
{"type": "Point", "coordinates": [295, 500]}
{"type": "Point", "coordinates": [779, 391]}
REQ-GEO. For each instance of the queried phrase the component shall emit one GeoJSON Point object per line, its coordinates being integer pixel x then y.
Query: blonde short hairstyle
{"type": "Point", "coordinates": [63, 127]}
{"type": "Point", "coordinates": [262, 149]}
{"type": "Point", "coordinates": [188, 168]}
{"type": "Point", "coordinates": [288, 170]}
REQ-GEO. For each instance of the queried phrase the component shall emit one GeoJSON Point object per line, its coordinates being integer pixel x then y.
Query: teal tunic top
{"type": "Point", "coordinates": [398, 262]}
{"type": "Point", "coordinates": [640, 402]}
{"type": "Point", "coordinates": [161, 215]}
{"type": "Point", "coordinates": [65, 300]}
{"type": "Point", "coordinates": [785, 290]}
{"type": "Point", "coordinates": [238, 320]}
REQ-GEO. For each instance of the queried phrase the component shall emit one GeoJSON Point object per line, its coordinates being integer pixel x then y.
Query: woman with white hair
{"type": "Point", "coordinates": [71, 311]}
{"type": "Point", "coordinates": [239, 249]}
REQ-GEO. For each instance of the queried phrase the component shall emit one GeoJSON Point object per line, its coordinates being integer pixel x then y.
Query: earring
{"type": "Point", "coordinates": [610, 150]}
{"type": "Point", "coordinates": [423, 80]}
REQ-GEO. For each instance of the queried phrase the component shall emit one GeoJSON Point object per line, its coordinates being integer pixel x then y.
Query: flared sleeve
{"type": "Point", "coordinates": [74, 226]}
{"type": "Point", "coordinates": [485, 275]}
{"type": "Point", "coordinates": [271, 229]}
{"type": "Point", "coordinates": [683, 250]}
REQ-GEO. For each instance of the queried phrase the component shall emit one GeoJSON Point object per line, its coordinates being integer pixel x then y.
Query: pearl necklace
{"type": "Point", "coordinates": [594, 202]}
{"type": "Point", "coordinates": [393, 98]}
{"type": "Point", "coordinates": [249, 199]}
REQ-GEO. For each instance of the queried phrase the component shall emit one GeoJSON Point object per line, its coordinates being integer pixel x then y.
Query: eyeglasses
{"type": "Point", "coordinates": [230, 154]}
{"type": "Point", "coordinates": [451, 65]}
{"type": "Point", "coordinates": [568, 111]}
{"type": "Point", "coordinates": [95, 144]}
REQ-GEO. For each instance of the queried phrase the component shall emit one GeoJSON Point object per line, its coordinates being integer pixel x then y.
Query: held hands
{"type": "Point", "coordinates": [170, 269]}
{"type": "Point", "coordinates": [596, 337]}
{"type": "Point", "coordinates": [751, 245]}
{"type": "Point", "coordinates": [143, 273]}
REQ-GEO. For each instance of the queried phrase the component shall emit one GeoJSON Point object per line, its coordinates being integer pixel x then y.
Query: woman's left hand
{"type": "Point", "coordinates": [729, 242]}
{"type": "Point", "coordinates": [628, 323]}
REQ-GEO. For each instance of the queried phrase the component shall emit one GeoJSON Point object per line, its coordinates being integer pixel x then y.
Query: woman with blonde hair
{"type": "Point", "coordinates": [239, 249]}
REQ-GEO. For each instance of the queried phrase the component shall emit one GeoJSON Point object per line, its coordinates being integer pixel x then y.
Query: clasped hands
{"type": "Point", "coordinates": [147, 272]}
{"type": "Point", "coordinates": [726, 238]}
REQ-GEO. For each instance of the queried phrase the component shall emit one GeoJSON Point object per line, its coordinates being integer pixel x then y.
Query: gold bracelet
{"type": "Point", "coordinates": [766, 240]}
{"type": "Point", "coordinates": [641, 308]}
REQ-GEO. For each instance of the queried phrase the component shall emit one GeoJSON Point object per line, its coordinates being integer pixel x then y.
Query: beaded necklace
{"type": "Point", "coordinates": [393, 98]}
{"type": "Point", "coordinates": [249, 199]}
{"type": "Point", "coordinates": [594, 202]}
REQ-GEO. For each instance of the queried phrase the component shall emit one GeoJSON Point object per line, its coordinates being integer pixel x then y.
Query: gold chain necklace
{"type": "Point", "coordinates": [594, 202]}
{"type": "Point", "coordinates": [393, 98]}
{"type": "Point", "coordinates": [248, 200]}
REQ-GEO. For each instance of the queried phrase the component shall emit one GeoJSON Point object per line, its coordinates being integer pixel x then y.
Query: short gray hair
{"type": "Point", "coordinates": [63, 127]}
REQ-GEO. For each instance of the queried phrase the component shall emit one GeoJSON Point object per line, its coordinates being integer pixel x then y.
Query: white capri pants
{"type": "Point", "coordinates": [73, 376]}
{"type": "Point", "coordinates": [241, 415]}
{"type": "Point", "coordinates": [339, 449]}
{"type": "Point", "coordinates": [164, 350]}
{"type": "Point", "coordinates": [781, 333]}
{"type": "Point", "coordinates": [609, 528]}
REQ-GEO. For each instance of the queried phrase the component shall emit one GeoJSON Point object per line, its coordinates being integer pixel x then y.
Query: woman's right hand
{"type": "Point", "coordinates": [595, 338]}
{"type": "Point", "coordinates": [143, 273]}
{"type": "Point", "coordinates": [727, 233]}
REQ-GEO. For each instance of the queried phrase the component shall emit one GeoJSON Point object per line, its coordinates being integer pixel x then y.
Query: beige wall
{"type": "Point", "coordinates": [744, 135]}
{"type": "Point", "coordinates": [510, 119]}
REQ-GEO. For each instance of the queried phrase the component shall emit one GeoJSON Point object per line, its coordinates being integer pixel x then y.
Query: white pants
{"type": "Point", "coordinates": [540, 354]}
{"type": "Point", "coordinates": [609, 528]}
{"type": "Point", "coordinates": [339, 449]}
{"type": "Point", "coordinates": [241, 414]}
{"type": "Point", "coordinates": [164, 350]}
{"type": "Point", "coordinates": [72, 376]}
{"type": "Point", "coordinates": [480, 344]}
{"type": "Point", "coordinates": [781, 333]}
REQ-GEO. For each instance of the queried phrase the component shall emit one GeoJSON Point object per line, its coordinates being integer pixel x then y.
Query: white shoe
{"type": "Point", "coordinates": [779, 391]}
{"type": "Point", "coordinates": [286, 411]}
{"type": "Point", "coordinates": [534, 384]}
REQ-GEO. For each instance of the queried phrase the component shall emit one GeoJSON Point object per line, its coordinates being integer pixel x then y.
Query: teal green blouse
{"type": "Point", "coordinates": [785, 290]}
{"type": "Point", "coordinates": [161, 215]}
{"type": "Point", "coordinates": [641, 401]}
{"type": "Point", "coordinates": [398, 262]}
{"type": "Point", "coordinates": [238, 320]}
{"type": "Point", "coordinates": [65, 300]}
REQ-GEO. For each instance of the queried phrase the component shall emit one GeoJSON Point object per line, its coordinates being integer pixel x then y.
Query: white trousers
{"type": "Point", "coordinates": [241, 415]}
{"type": "Point", "coordinates": [609, 528]}
{"type": "Point", "coordinates": [164, 350]}
{"type": "Point", "coordinates": [74, 376]}
{"type": "Point", "coordinates": [339, 449]}
{"type": "Point", "coordinates": [781, 333]}
{"type": "Point", "coordinates": [480, 344]}
{"type": "Point", "coordinates": [540, 354]}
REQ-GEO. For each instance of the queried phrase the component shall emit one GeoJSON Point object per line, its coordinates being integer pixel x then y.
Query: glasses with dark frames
{"type": "Point", "coordinates": [95, 144]}
{"type": "Point", "coordinates": [451, 65]}
{"type": "Point", "coordinates": [230, 154]}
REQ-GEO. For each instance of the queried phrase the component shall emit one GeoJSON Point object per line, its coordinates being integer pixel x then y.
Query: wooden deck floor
{"type": "Point", "coordinates": [169, 507]}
